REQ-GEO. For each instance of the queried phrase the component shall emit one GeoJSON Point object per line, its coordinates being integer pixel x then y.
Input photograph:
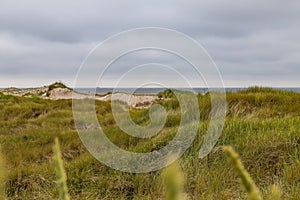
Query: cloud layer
{"type": "Point", "coordinates": [252, 42]}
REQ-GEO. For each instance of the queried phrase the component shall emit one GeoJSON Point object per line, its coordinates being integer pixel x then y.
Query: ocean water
{"type": "Point", "coordinates": [157, 90]}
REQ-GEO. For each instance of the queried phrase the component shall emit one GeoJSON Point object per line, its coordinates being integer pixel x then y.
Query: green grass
{"type": "Point", "coordinates": [61, 178]}
{"type": "Point", "coordinates": [2, 177]}
{"type": "Point", "coordinates": [250, 187]}
{"type": "Point", "coordinates": [263, 125]}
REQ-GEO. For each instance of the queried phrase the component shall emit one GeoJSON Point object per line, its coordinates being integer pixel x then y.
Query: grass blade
{"type": "Point", "coordinates": [275, 193]}
{"type": "Point", "coordinates": [60, 172]}
{"type": "Point", "coordinates": [247, 182]}
{"type": "Point", "coordinates": [2, 177]}
{"type": "Point", "coordinates": [173, 182]}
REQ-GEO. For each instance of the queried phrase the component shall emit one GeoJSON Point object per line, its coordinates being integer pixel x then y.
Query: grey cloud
{"type": "Point", "coordinates": [47, 40]}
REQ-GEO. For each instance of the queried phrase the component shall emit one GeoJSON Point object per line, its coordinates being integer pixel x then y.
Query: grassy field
{"type": "Point", "coordinates": [262, 125]}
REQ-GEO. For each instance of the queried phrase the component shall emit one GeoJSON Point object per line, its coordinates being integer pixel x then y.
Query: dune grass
{"type": "Point", "coordinates": [250, 187]}
{"type": "Point", "coordinates": [61, 179]}
{"type": "Point", "coordinates": [2, 177]}
{"type": "Point", "coordinates": [262, 125]}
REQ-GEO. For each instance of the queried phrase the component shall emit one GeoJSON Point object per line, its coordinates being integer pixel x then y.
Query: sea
{"type": "Point", "coordinates": [154, 91]}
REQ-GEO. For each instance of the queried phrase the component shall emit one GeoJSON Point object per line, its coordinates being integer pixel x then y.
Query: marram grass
{"type": "Point", "coordinates": [265, 120]}
{"type": "Point", "coordinates": [173, 178]}
{"type": "Point", "coordinates": [60, 172]}
{"type": "Point", "coordinates": [249, 185]}
{"type": "Point", "coordinates": [275, 193]}
{"type": "Point", "coordinates": [247, 182]}
{"type": "Point", "coordinates": [173, 181]}
{"type": "Point", "coordinates": [2, 177]}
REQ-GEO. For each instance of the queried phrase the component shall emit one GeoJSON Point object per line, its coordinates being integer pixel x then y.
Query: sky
{"type": "Point", "coordinates": [252, 42]}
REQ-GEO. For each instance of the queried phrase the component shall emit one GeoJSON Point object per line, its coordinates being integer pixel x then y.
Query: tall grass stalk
{"type": "Point", "coordinates": [275, 193]}
{"type": "Point", "coordinates": [2, 177]}
{"type": "Point", "coordinates": [173, 180]}
{"type": "Point", "coordinates": [60, 172]}
{"type": "Point", "coordinates": [247, 182]}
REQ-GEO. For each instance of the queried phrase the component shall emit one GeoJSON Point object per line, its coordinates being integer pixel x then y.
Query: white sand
{"type": "Point", "coordinates": [136, 101]}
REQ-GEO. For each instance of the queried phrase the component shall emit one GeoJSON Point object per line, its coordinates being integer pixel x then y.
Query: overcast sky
{"type": "Point", "coordinates": [252, 42]}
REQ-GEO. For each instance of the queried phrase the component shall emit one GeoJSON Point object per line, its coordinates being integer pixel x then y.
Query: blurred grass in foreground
{"type": "Point", "coordinates": [60, 172]}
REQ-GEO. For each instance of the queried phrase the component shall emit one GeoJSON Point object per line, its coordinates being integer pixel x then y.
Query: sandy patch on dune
{"type": "Point", "coordinates": [131, 100]}
{"type": "Point", "coordinates": [46, 92]}
{"type": "Point", "coordinates": [136, 101]}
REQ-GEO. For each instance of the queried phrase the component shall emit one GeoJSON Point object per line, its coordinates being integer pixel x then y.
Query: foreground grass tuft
{"type": "Point", "coordinates": [173, 180]}
{"type": "Point", "coordinates": [251, 189]}
{"type": "Point", "coordinates": [2, 177]}
{"type": "Point", "coordinates": [60, 172]}
{"type": "Point", "coordinates": [248, 183]}
{"type": "Point", "coordinates": [275, 193]}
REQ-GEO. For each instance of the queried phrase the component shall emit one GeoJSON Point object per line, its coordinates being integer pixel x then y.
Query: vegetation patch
{"type": "Point", "coordinates": [263, 125]}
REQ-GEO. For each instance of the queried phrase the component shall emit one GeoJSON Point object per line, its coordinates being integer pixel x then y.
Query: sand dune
{"type": "Point", "coordinates": [58, 91]}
